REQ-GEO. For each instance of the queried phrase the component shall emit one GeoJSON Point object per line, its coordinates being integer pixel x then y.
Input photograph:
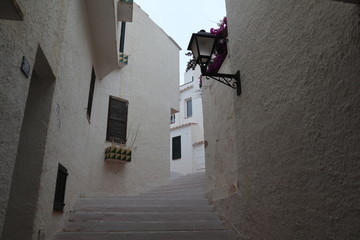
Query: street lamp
{"type": "Point", "coordinates": [202, 45]}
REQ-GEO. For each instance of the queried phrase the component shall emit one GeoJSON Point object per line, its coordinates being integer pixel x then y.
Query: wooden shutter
{"type": "Point", "coordinates": [117, 120]}
{"type": "Point", "coordinates": [176, 147]}
{"type": "Point", "coordinates": [91, 93]}
{"type": "Point", "coordinates": [59, 200]}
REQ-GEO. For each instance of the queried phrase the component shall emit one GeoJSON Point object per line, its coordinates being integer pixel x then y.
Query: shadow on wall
{"type": "Point", "coordinates": [25, 185]}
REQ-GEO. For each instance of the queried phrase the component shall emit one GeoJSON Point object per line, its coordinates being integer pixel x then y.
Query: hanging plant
{"type": "Point", "coordinates": [220, 51]}
{"type": "Point", "coordinates": [191, 63]}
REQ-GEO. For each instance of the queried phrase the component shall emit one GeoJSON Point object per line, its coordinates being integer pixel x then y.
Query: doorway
{"type": "Point", "coordinates": [22, 204]}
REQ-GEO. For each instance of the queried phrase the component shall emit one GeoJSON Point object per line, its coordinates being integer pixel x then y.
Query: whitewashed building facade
{"type": "Point", "coordinates": [60, 73]}
{"type": "Point", "coordinates": [187, 131]}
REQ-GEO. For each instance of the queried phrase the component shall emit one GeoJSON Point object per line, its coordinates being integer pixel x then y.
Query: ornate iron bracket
{"type": "Point", "coordinates": [231, 80]}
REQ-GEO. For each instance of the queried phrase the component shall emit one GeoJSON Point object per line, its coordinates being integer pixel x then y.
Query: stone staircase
{"type": "Point", "coordinates": [177, 211]}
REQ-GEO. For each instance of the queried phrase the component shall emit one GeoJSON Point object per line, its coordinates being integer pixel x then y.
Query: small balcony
{"type": "Point", "coordinates": [123, 59]}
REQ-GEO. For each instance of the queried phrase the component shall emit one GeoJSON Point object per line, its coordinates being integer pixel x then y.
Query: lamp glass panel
{"type": "Point", "coordinates": [205, 45]}
{"type": "Point", "coordinates": [194, 48]}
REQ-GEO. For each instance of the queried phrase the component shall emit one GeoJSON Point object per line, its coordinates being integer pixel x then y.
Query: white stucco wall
{"type": "Point", "coordinates": [68, 140]}
{"type": "Point", "coordinates": [185, 164]}
{"type": "Point", "coordinates": [190, 90]}
{"type": "Point", "coordinates": [42, 27]}
{"type": "Point", "coordinates": [220, 153]}
{"type": "Point", "coordinates": [63, 33]}
{"type": "Point", "coordinates": [292, 136]}
{"type": "Point", "coordinates": [199, 157]}
{"type": "Point", "coordinates": [150, 84]}
{"type": "Point", "coordinates": [193, 158]}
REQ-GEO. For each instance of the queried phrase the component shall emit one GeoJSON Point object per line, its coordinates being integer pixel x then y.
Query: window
{"type": "Point", "coordinates": [176, 147]}
{"type": "Point", "coordinates": [172, 118]}
{"type": "Point", "coordinates": [91, 94]}
{"type": "Point", "coordinates": [117, 120]}
{"type": "Point", "coordinates": [122, 37]}
{"type": "Point", "coordinates": [188, 107]}
{"type": "Point", "coordinates": [59, 199]}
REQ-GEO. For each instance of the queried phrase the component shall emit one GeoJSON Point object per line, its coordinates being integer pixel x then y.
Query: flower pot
{"type": "Point", "coordinates": [117, 154]}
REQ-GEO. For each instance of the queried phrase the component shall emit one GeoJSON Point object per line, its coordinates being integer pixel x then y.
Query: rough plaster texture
{"type": "Point", "coordinates": [41, 26]}
{"type": "Point", "coordinates": [68, 137]}
{"type": "Point", "coordinates": [297, 120]}
{"type": "Point", "coordinates": [150, 84]}
{"type": "Point", "coordinates": [26, 177]}
{"type": "Point", "coordinates": [220, 153]}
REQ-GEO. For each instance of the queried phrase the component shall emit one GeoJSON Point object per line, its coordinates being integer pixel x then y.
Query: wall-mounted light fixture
{"type": "Point", "coordinates": [202, 45]}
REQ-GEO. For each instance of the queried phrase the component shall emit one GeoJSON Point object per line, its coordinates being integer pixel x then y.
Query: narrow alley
{"type": "Point", "coordinates": [102, 139]}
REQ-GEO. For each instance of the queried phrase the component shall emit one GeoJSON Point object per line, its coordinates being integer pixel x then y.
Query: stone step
{"type": "Point", "coordinates": [149, 235]}
{"type": "Point", "coordinates": [191, 175]}
{"type": "Point", "coordinates": [185, 188]}
{"type": "Point", "coordinates": [174, 191]}
{"type": "Point", "coordinates": [179, 187]}
{"type": "Point", "coordinates": [142, 216]}
{"type": "Point", "coordinates": [198, 180]}
{"type": "Point", "coordinates": [142, 226]}
{"type": "Point", "coordinates": [175, 195]}
{"type": "Point", "coordinates": [159, 197]}
{"type": "Point", "coordinates": [139, 201]}
{"type": "Point", "coordinates": [150, 208]}
{"type": "Point", "coordinates": [185, 182]}
{"type": "Point", "coordinates": [176, 211]}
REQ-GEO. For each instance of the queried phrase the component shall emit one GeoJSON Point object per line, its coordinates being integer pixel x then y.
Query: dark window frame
{"type": "Point", "coordinates": [91, 94]}
{"type": "Point", "coordinates": [60, 188]}
{"type": "Point", "coordinates": [189, 111]}
{"type": "Point", "coordinates": [122, 37]}
{"type": "Point", "coordinates": [176, 147]}
{"type": "Point", "coordinates": [112, 120]}
{"type": "Point", "coordinates": [172, 119]}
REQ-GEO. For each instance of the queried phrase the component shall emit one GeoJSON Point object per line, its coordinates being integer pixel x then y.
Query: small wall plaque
{"type": "Point", "coordinates": [25, 67]}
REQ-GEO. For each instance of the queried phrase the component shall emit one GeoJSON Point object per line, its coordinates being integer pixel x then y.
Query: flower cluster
{"type": "Point", "coordinates": [222, 30]}
{"type": "Point", "coordinates": [220, 51]}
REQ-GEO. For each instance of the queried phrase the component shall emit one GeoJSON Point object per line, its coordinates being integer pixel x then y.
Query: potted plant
{"type": "Point", "coordinates": [118, 153]}
{"type": "Point", "coordinates": [121, 152]}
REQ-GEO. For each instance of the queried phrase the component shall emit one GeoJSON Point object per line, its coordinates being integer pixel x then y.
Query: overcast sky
{"type": "Point", "coordinates": [179, 19]}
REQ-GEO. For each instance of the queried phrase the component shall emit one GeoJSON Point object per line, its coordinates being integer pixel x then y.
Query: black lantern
{"type": "Point", "coordinates": [202, 45]}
